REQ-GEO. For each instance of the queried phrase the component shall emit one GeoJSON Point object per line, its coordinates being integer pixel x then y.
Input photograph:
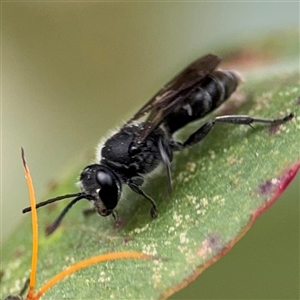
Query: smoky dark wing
{"type": "Point", "coordinates": [199, 68]}
{"type": "Point", "coordinates": [166, 100]}
{"type": "Point", "coordinates": [196, 70]}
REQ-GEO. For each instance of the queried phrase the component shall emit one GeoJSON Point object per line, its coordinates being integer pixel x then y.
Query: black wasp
{"type": "Point", "coordinates": [139, 147]}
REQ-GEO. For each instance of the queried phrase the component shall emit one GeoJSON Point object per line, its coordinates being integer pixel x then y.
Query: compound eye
{"type": "Point", "coordinates": [108, 192]}
{"type": "Point", "coordinates": [104, 179]}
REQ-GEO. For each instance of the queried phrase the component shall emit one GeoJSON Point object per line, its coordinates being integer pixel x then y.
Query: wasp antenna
{"type": "Point", "coordinates": [34, 222]}
{"type": "Point", "coordinates": [46, 202]}
{"type": "Point", "coordinates": [24, 288]}
{"type": "Point", "coordinates": [86, 263]}
{"type": "Point", "coordinates": [51, 228]}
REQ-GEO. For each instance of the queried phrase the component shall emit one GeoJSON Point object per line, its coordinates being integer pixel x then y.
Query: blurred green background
{"type": "Point", "coordinates": [73, 70]}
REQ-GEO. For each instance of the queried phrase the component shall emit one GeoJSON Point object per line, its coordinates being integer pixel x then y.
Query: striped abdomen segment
{"type": "Point", "coordinates": [213, 90]}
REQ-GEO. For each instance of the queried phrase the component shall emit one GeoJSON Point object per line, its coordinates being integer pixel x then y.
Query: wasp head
{"type": "Point", "coordinates": [102, 186]}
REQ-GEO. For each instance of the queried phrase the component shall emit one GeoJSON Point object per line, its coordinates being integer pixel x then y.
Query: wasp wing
{"type": "Point", "coordinates": [172, 95]}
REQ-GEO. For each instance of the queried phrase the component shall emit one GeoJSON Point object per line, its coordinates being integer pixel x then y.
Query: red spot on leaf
{"type": "Point", "coordinates": [273, 129]}
{"type": "Point", "coordinates": [268, 186]}
{"type": "Point", "coordinates": [127, 240]}
{"type": "Point", "coordinates": [210, 244]}
{"type": "Point", "coordinates": [280, 185]}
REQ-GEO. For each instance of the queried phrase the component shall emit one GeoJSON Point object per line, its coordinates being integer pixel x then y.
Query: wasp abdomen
{"type": "Point", "coordinates": [208, 95]}
{"type": "Point", "coordinates": [229, 80]}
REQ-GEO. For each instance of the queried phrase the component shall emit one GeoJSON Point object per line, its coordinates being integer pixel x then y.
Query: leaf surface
{"type": "Point", "coordinates": [221, 186]}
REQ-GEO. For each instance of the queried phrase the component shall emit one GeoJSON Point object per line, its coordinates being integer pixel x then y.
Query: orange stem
{"type": "Point", "coordinates": [86, 263]}
{"type": "Point", "coordinates": [34, 223]}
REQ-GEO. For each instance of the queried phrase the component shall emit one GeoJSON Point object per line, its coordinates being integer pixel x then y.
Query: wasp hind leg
{"type": "Point", "coordinates": [201, 133]}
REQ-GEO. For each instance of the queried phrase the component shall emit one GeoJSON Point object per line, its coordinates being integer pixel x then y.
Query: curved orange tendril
{"type": "Point", "coordinates": [34, 223]}
{"type": "Point", "coordinates": [78, 266]}
{"type": "Point", "coordinates": [86, 263]}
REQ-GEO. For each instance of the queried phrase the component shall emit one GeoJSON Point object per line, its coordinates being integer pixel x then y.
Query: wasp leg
{"type": "Point", "coordinates": [167, 163]}
{"type": "Point", "coordinates": [134, 184]}
{"type": "Point", "coordinates": [200, 134]}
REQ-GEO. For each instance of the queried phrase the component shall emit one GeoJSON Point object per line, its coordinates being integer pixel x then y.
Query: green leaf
{"type": "Point", "coordinates": [220, 187]}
